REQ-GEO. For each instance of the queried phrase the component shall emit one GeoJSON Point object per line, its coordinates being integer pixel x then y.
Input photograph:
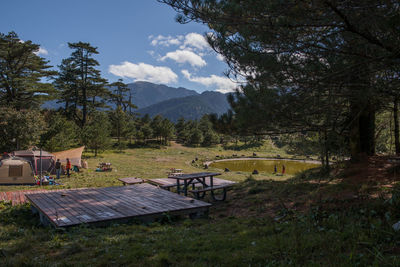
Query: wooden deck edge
{"type": "Point", "coordinates": [194, 213]}
{"type": "Point", "coordinates": [44, 219]}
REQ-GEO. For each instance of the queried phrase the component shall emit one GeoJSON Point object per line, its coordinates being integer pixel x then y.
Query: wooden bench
{"type": "Point", "coordinates": [131, 180]}
{"type": "Point", "coordinates": [175, 173]}
{"type": "Point", "coordinates": [224, 187]}
{"type": "Point", "coordinates": [164, 183]}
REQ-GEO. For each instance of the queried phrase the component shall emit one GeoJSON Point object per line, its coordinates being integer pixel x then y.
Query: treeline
{"type": "Point", "coordinates": [93, 110]}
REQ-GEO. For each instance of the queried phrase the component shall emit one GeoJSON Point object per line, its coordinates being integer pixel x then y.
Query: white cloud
{"type": "Point", "coordinates": [195, 40]}
{"type": "Point", "coordinates": [185, 56]}
{"type": "Point", "coordinates": [41, 51]}
{"type": "Point", "coordinates": [165, 40]}
{"type": "Point", "coordinates": [191, 41]}
{"type": "Point", "coordinates": [222, 84]}
{"type": "Point", "coordinates": [144, 72]}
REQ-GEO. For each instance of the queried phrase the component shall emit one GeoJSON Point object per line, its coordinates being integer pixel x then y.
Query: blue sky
{"type": "Point", "coordinates": [136, 39]}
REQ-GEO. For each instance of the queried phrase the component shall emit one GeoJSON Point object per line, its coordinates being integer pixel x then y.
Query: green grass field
{"type": "Point", "coordinates": [267, 220]}
{"type": "Point", "coordinates": [153, 163]}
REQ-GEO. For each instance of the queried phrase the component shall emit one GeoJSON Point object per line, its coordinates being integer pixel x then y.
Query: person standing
{"type": "Point", "coordinates": [58, 168]}
{"type": "Point", "coordinates": [283, 169]}
{"type": "Point", "coordinates": [275, 169]}
{"type": "Point", "coordinates": [68, 167]}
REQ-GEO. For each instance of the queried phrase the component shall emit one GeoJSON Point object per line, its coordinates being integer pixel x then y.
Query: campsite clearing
{"type": "Point", "coordinates": [272, 219]}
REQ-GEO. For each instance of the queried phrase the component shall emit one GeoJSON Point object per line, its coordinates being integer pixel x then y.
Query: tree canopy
{"type": "Point", "coordinates": [21, 73]}
{"type": "Point", "coordinates": [309, 65]}
{"type": "Point", "coordinates": [80, 84]}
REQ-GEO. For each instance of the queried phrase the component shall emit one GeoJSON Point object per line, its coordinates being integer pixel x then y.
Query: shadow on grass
{"type": "Point", "coordinates": [20, 215]}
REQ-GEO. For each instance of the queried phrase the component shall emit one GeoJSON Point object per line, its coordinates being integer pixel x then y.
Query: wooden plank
{"type": "Point", "coordinates": [109, 201]}
{"type": "Point", "coordinates": [54, 209]}
{"type": "Point", "coordinates": [164, 197]}
{"type": "Point", "coordinates": [92, 206]}
{"type": "Point", "coordinates": [178, 206]}
{"type": "Point", "coordinates": [82, 210]}
{"type": "Point", "coordinates": [69, 204]}
{"type": "Point", "coordinates": [146, 200]}
{"type": "Point", "coordinates": [131, 203]}
{"type": "Point", "coordinates": [162, 204]}
{"type": "Point", "coordinates": [94, 201]}
{"type": "Point", "coordinates": [57, 215]}
{"type": "Point", "coordinates": [163, 181]}
{"type": "Point", "coordinates": [131, 211]}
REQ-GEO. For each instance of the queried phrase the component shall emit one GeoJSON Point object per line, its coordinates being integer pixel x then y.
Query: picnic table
{"type": "Point", "coordinates": [196, 179]}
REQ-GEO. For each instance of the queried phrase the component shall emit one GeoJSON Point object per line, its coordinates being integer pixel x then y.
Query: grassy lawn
{"type": "Point", "coordinates": [153, 163]}
{"type": "Point", "coordinates": [267, 221]}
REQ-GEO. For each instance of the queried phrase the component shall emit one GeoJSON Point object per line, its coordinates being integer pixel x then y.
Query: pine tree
{"type": "Point", "coordinates": [21, 73]}
{"type": "Point", "coordinates": [96, 133]}
{"type": "Point", "coordinates": [119, 122]}
{"type": "Point", "coordinates": [121, 96]}
{"type": "Point", "coordinates": [80, 84]}
{"type": "Point", "coordinates": [167, 130]}
{"type": "Point", "coordinates": [181, 130]}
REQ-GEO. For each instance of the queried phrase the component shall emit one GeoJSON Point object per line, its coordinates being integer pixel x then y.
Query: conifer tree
{"type": "Point", "coordinates": [96, 133]}
{"type": "Point", "coordinates": [21, 73]}
{"type": "Point", "coordinates": [121, 96]}
{"type": "Point", "coordinates": [80, 84]}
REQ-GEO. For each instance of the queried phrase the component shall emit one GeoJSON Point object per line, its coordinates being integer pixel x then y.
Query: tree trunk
{"type": "Point", "coordinates": [396, 126]}
{"type": "Point", "coordinates": [362, 132]}
{"type": "Point", "coordinates": [326, 144]}
{"type": "Point", "coordinates": [84, 106]}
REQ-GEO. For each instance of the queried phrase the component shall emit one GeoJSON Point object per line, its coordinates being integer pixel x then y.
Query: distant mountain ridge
{"type": "Point", "coordinates": [143, 94]}
{"type": "Point", "coordinates": [170, 102]}
{"type": "Point", "coordinates": [190, 107]}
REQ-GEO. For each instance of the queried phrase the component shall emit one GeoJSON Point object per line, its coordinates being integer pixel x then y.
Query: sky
{"type": "Point", "coordinates": [137, 40]}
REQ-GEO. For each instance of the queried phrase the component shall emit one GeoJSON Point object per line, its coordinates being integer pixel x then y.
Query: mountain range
{"type": "Point", "coordinates": [146, 94]}
{"type": "Point", "coordinates": [189, 107]}
{"type": "Point", "coordinates": [170, 102]}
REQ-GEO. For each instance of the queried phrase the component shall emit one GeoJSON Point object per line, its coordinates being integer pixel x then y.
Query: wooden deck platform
{"type": "Point", "coordinates": [18, 197]}
{"type": "Point", "coordinates": [143, 202]}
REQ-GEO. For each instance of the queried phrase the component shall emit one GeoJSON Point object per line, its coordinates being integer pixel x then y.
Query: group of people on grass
{"type": "Point", "coordinates": [59, 168]}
